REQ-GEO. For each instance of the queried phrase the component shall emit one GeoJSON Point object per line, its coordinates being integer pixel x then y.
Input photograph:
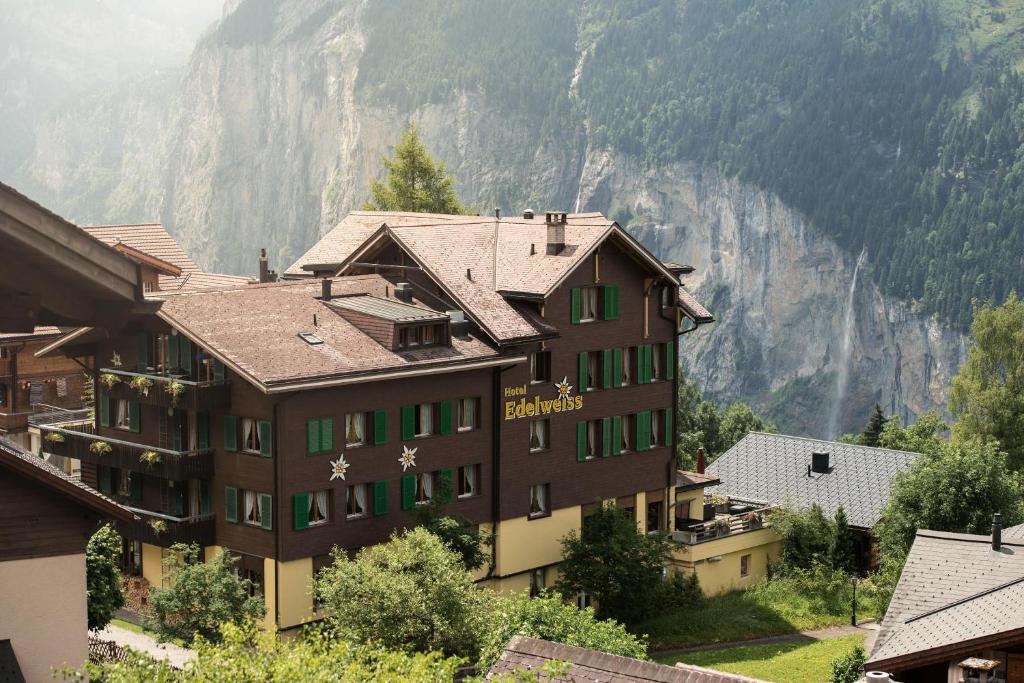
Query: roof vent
{"type": "Point", "coordinates": [877, 677]}
{"type": "Point", "coordinates": [459, 324]}
{"type": "Point", "coordinates": [310, 338]}
{"type": "Point", "coordinates": [556, 231]}
{"type": "Point", "coordinates": [469, 274]}
{"type": "Point", "coordinates": [997, 531]}
{"type": "Point", "coordinates": [325, 289]}
{"type": "Point", "coordinates": [819, 462]}
{"type": "Point", "coordinates": [528, 214]}
{"type": "Point", "coordinates": [403, 292]}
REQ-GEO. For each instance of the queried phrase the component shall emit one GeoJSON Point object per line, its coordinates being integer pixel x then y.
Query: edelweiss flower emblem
{"type": "Point", "coordinates": [408, 458]}
{"type": "Point", "coordinates": [564, 388]}
{"type": "Point", "coordinates": [339, 467]}
{"type": "Point", "coordinates": [115, 360]}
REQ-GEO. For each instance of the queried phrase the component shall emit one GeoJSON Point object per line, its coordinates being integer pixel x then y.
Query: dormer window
{"type": "Point", "coordinates": [421, 335]}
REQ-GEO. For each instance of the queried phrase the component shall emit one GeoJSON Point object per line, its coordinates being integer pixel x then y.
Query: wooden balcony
{"type": "Point", "coordinates": [723, 525]}
{"type": "Point", "coordinates": [165, 530]}
{"type": "Point", "coordinates": [169, 464]}
{"type": "Point", "coordinates": [14, 422]}
{"type": "Point", "coordinates": [202, 396]}
{"type": "Point", "coordinates": [6, 367]}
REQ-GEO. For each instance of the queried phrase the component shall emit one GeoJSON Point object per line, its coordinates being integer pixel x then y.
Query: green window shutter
{"type": "Point", "coordinates": [606, 437]}
{"type": "Point", "coordinates": [581, 441]}
{"type": "Point", "coordinates": [104, 410]}
{"type": "Point", "coordinates": [230, 433]}
{"type": "Point", "coordinates": [142, 350]}
{"type": "Point", "coordinates": [380, 427]}
{"type": "Point", "coordinates": [408, 422]}
{"type": "Point", "coordinates": [583, 362]}
{"type": "Point", "coordinates": [218, 371]}
{"type": "Point", "coordinates": [230, 504]}
{"type": "Point", "coordinates": [408, 491]}
{"type": "Point", "coordinates": [667, 421]}
{"type": "Point", "coordinates": [133, 416]}
{"type": "Point", "coordinates": [203, 430]}
{"type": "Point", "coordinates": [266, 438]}
{"type": "Point", "coordinates": [104, 477]}
{"type": "Point", "coordinates": [266, 503]}
{"type": "Point", "coordinates": [380, 498]}
{"type": "Point", "coordinates": [606, 369]}
{"type": "Point", "coordinates": [574, 307]}
{"type": "Point", "coordinates": [326, 434]}
{"type": "Point", "coordinates": [136, 483]}
{"type": "Point", "coordinates": [445, 414]}
{"type": "Point", "coordinates": [643, 431]}
{"type": "Point", "coordinates": [616, 435]}
{"type": "Point", "coordinates": [205, 504]}
{"type": "Point", "coordinates": [185, 355]}
{"type": "Point", "coordinates": [313, 435]}
{"type": "Point", "coordinates": [172, 350]}
{"type": "Point", "coordinates": [670, 360]}
{"type": "Point", "coordinates": [300, 510]}
{"type": "Point", "coordinates": [616, 367]}
{"type": "Point", "coordinates": [611, 302]}
{"type": "Point", "coordinates": [444, 485]}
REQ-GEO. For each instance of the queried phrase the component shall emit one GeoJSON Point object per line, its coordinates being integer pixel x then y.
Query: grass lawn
{"type": "Point", "coordinates": [129, 626]}
{"type": "Point", "coordinates": [803, 662]}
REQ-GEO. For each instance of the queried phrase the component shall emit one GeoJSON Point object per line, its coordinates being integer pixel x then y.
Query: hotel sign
{"type": "Point", "coordinates": [538, 407]}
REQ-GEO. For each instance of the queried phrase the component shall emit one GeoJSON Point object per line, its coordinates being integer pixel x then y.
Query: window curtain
{"type": "Point", "coordinates": [538, 502]}
{"type": "Point", "coordinates": [354, 428]}
{"type": "Point", "coordinates": [360, 499]}
{"type": "Point", "coordinates": [318, 507]}
{"type": "Point", "coordinates": [592, 438]}
{"type": "Point", "coordinates": [428, 486]}
{"type": "Point", "coordinates": [470, 480]}
{"type": "Point", "coordinates": [627, 426]}
{"type": "Point", "coordinates": [260, 512]}
{"type": "Point", "coordinates": [542, 433]}
{"type": "Point", "coordinates": [252, 511]}
{"type": "Point", "coordinates": [627, 366]}
{"type": "Point", "coordinates": [122, 413]}
{"type": "Point", "coordinates": [426, 415]}
{"type": "Point", "coordinates": [247, 433]}
{"type": "Point", "coordinates": [468, 417]}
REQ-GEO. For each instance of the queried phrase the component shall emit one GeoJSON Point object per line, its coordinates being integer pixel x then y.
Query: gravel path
{"type": "Point", "coordinates": [174, 654]}
{"type": "Point", "coordinates": [869, 629]}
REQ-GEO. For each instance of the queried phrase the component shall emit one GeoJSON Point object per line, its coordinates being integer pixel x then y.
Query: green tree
{"type": "Point", "coordinates": [102, 577]}
{"type": "Point", "coordinates": [873, 430]}
{"type": "Point", "coordinates": [842, 555]}
{"type": "Point", "coordinates": [955, 488]}
{"type": "Point", "coordinates": [415, 182]}
{"type": "Point", "coordinates": [807, 536]}
{"type": "Point", "coordinates": [616, 564]}
{"type": "Point", "coordinates": [548, 617]}
{"type": "Point", "coordinates": [411, 593]}
{"type": "Point", "coordinates": [248, 653]}
{"type": "Point", "coordinates": [89, 394]}
{"type": "Point", "coordinates": [988, 394]}
{"type": "Point", "coordinates": [920, 437]}
{"type": "Point", "coordinates": [202, 595]}
{"type": "Point", "coordinates": [457, 533]}
{"type": "Point", "coordinates": [846, 668]}
{"type": "Point", "coordinates": [738, 420]}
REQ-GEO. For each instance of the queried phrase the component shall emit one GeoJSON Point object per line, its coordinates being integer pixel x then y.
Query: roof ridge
{"type": "Point", "coordinates": [966, 599]}
{"type": "Point", "coordinates": [840, 443]}
{"type": "Point", "coordinates": [123, 225]}
{"type": "Point", "coordinates": [968, 538]}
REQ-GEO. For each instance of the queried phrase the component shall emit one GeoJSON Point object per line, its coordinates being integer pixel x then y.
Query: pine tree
{"type": "Point", "coordinates": [842, 553]}
{"type": "Point", "coordinates": [415, 182]}
{"type": "Point", "coordinates": [873, 430]}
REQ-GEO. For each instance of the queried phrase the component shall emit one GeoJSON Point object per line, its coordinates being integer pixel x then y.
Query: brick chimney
{"type": "Point", "coordinates": [266, 275]}
{"type": "Point", "coordinates": [556, 231]}
{"type": "Point", "coordinates": [997, 531]}
{"type": "Point", "coordinates": [700, 461]}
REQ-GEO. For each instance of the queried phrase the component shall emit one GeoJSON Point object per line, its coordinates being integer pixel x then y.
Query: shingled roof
{"type": "Point", "coordinates": [255, 330]}
{"type": "Point", "coordinates": [525, 655]}
{"type": "Point", "coordinates": [772, 468]}
{"type": "Point", "coordinates": [956, 595]}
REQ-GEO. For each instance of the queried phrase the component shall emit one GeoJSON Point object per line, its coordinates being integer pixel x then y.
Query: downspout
{"type": "Point", "coordinates": [14, 385]}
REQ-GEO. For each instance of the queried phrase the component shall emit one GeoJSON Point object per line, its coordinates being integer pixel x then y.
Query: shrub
{"type": "Point", "coordinates": [102, 577]}
{"type": "Point", "coordinates": [680, 591]}
{"type": "Point", "coordinates": [846, 669]}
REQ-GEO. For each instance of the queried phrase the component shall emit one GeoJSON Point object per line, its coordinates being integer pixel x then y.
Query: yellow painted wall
{"type": "Point", "coordinates": [269, 594]}
{"type": "Point", "coordinates": [152, 565]}
{"type": "Point", "coordinates": [719, 569]}
{"type": "Point", "coordinates": [641, 511]}
{"type": "Point", "coordinates": [294, 582]}
{"type": "Point", "coordinates": [525, 543]}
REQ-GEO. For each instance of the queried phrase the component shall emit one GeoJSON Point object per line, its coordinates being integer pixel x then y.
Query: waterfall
{"type": "Point", "coordinates": [843, 374]}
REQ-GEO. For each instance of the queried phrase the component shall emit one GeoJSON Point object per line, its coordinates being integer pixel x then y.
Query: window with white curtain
{"type": "Point", "coordinates": [628, 361]}
{"type": "Point", "coordinates": [250, 435]}
{"type": "Point", "coordinates": [424, 419]}
{"type": "Point", "coordinates": [355, 429]}
{"type": "Point", "coordinates": [468, 476]}
{"type": "Point", "coordinates": [121, 419]}
{"type": "Point", "coordinates": [588, 303]}
{"type": "Point", "coordinates": [657, 430]}
{"type": "Point", "coordinates": [424, 487]}
{"type": "Point", "coordinates": [593, 432]}
{"type": "Point", "coordinates": [124, 483]}
{"type": "Point", "coordinates": [656, 362]}
{"type": "Point", "coordinates": [467, 414]}
{"type": "Point", "coordinates": [252, 509]}
{"type": "Point", "coordinates": [593, 370]}
{"type": "Point", "coordinates": [539, 435]}
{"type": "Point", "coordinates": [628, 425]}
{"type": "Point", "coordinates": [318, 507]}
{"type": "Point", "coordinates": [356, 501]}
{"type": "Point", "coordinates": [539, 503]}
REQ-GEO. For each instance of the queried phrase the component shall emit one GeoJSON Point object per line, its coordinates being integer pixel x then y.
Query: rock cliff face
{"type": "Point", "coordinates": [263, 141]}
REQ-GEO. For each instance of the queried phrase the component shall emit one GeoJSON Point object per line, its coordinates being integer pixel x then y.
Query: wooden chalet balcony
{"type": "Point", "coordinates": [163, 530]}
{"type": "Point", "coordinates": [723, 525]}
{"type": "Point", "coordinates": [14, 422]}
{"type": "Point", "coordinates": [6, 367]}
{"type": "Point", "coordinates": [202, 396]}
{"type": "Point", "coordinates": [78, 443]}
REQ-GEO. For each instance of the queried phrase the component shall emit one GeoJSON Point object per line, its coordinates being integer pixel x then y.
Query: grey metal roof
{"type": "Point", "coordinates": [388, 309]}
{"type": "Point", "coordinates": [1014, 531]}
{"type": "Point", "coordinates": [954, 589]}
{"type": "Point", "coordinates": [772, 468]}
{"type": "Point", "coordinates": [525, 655]}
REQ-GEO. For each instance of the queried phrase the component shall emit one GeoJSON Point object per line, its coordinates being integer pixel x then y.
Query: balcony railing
{"type": "Point", "coordinates": [162, 462]}
{"type": "Point", "coordinates": [159, 529]}
{"type": "Point", "coordinates": [14, 422]}
{"type": "Point", "coordinates": [47, 415]}
{"type": "Point", "coordinates": [190, 395]}
{"type": "Point", "coordinates": [723, 525]}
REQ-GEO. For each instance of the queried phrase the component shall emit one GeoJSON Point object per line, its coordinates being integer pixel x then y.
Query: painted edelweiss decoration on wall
{"type": "Point", "coordinates": [564, 388]}
{"type": "Point", "coordinates": [408, 458]}
{"type": "Point", "coordinates": [339, 467]}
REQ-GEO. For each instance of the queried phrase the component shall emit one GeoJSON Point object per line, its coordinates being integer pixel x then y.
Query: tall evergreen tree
{"type": "Point", "coordinates": [415, 182]}
{"type": "Point", "coordinates": [102, 577]}
{"type": "Point", "coordinates": [842, 554]}
{"type": "Point", "coordinates": [873, 430]}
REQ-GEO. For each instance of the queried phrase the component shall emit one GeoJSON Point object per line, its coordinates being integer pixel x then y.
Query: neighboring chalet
{"type": "Point", "coordinates": [956, 612]}
{"type": "Point", "coordinates": [525, 657]}
{"type": "Point", "coordinates": [518, 369]}
{"type": "Point", "coordinates": [46, 519]}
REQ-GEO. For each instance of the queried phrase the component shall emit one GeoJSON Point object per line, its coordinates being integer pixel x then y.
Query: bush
{"type": "Point", "coordinates": [807, 536]}
{"type": "Point", "coordinates": [680, 591]}
{"type": "Point", "coordinates": [102, 577]}
{"type": "Point", "coordinates": [846, 669]}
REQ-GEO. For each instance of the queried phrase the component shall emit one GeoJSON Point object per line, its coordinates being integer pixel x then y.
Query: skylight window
{"type": "Point", "coordinates": [310, 338]}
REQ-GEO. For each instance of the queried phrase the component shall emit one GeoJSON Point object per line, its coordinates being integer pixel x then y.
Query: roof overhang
{"type": "Point", "coordinates": [159, 265]}
{"type": "Point", "coordinates": [58, 343]}
{"type": "Point", "coordinates": [945, 653]}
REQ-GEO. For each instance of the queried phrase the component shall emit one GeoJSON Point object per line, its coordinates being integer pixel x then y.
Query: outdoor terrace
{"type": "Point", "coordinates": [166, 390]}
{"type": "Point", "coordinates": [722, 517]}
{"type": "Point", "coordinates": [164, 530]}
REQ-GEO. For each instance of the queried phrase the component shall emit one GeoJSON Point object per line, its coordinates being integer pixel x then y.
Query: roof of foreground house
{"type": "Point", "coordinates": [526, 655]}
{"type": "Point", "coordinates": [956, 595]}
{"type": "Point", "coordinates": [772, 468]}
